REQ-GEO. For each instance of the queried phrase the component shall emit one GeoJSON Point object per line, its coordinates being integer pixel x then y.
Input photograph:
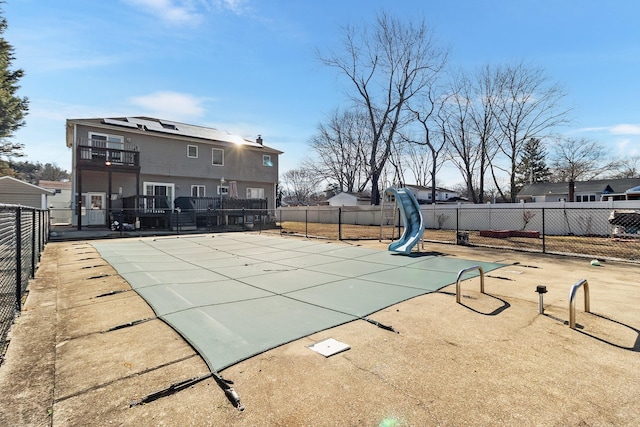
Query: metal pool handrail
{"type": "Point", "coordinates": [572, 302]}
{"type": "Point", "coordinates": [466, 270]}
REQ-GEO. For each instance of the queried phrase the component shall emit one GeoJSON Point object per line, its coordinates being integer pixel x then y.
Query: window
{"type": "Point", "coordinates": [217, 157]}
{"type": "Point", "coordinates": [586, 198]}
{"type": "Point", "coordinates": [162, 195]}
{"type": "Point", "coordinates": [255, 193]}
{"type": "Point", "coordinates": [197, 191]}
{"type": "Point", "coordinates": [107, 147]}
{"type": "Point", "coordinates": [223, 190]}
{"type": "Point", "coordinates": [266, 160]}
{"type": "Point", "coordinates": [192, 151]}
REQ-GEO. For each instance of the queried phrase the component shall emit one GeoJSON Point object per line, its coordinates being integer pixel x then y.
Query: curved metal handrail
{"type": "Point", "coordinates": [466, 270]}
{"type": "Point", "coordinates": [572, 302]}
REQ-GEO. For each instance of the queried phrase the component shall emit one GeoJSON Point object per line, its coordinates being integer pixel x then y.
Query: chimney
{"type": "Point", "coordinates": [572, 190]}
{"type": "Point", "coordinates": [259, 140]}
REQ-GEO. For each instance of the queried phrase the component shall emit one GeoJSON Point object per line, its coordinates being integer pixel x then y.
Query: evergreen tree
{"type": "Point", "coordinates": [532, 167]}
{"type": "Point", "coordinates": [34, 172]}
{"type": "Point", "coordinates": [12, 107]}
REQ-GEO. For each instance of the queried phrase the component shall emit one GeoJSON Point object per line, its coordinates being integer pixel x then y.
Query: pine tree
{"type": "Point", "coordinates": [532, 167]}
{"type": "Point", "coordinates": [12, 107]}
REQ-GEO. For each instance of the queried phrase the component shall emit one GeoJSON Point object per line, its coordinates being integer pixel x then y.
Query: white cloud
{"type": "Point", "coordinates": [628, 147]}
{"type": "Point", "coordinates": [187, 12]}
{"type": "Point", "coordinates": [620, 129]}
{"type": "Point", "coordinates": [170, 105]}
{"type": "Point", "coordinates": [235, 6]}
{"type": "Point", "coordinates": [625, 129]}
{"type": "Point", "coordinates": [172, 11]}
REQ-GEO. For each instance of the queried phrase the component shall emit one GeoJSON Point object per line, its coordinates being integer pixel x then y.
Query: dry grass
{"type": "Point", "coordinates": [591, 246]}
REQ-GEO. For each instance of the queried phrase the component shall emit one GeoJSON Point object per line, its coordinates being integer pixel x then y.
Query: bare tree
{"type": "Point", "coordinates": [629, 167]}
{"type": "Point", "coordinates": [341, 146]}
{"type": "Point", "coordinates": [299, 186]}
{"type": "Point", "coordinates": [484, 123]}
{"type": "Point", "coordinates": [386, 64]}
{"type": "Point", "coordinates": [527, 106]}
{"type": "Point", "coordinates": [578, 160]}
{"type": "Point", "coordinates": [430, 120]}
{"type": "Point", "coordinates": [418, 158]}
{"type": "Point", "coordinates": [464, 149]}
{"type": "Point", "coordinates": [399, 156]}
{"type": "Point", "coordinates": [471, 126]}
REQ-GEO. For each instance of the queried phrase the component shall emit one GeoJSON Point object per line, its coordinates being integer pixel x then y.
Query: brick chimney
{"type": "Point", "coordinates": [259, 140]}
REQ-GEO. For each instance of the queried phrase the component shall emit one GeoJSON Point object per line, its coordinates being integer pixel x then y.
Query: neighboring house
{"type": "Point", "coordinates": [350, 199]}
{"type": "Point", "coordinates": [581, 191]}
{"type": "Point", "coordinates": [423, 194]}
{"type": "Point", "coordinates": [60, 202]}
{"type": "Point", "coordinates": [145, 169]}
{"type": "Point", "coordinates": [16, 192]}
{"type": "Point", "coordinates": [61, 199]}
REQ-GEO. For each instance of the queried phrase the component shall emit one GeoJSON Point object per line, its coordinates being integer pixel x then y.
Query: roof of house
{"type": "Point", "coordinates": [11, 185]}
{"type": "Point", "coordinates": [168, 127]}
{"type": "Point", "coordinates": [602, 186]}
{"type": "Point", "coordinates": [423, 188]}
{"type": "Point", "coordinates": [55, 185]}
{"type": "Point", "coordinates": [359, 196]}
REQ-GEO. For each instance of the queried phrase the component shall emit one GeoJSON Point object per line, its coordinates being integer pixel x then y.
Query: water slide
{"type": "Point", "coordinates": [411, 218]}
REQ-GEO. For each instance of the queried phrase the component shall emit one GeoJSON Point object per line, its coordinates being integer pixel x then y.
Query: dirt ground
{"type": "Point", "coordinates": [491, 360]}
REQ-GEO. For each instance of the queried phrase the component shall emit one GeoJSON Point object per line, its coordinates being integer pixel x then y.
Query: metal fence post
{"type": "Point", "coordinates": [306, 223]}
{"type": "Point", "coordinates": [33, 244]}
{"type": "Point", "coordinates": [339, 223]}
{"type": "Point", "coordinates": [18, 259]}
{"type": "Point", "coordinates": [544, 234]}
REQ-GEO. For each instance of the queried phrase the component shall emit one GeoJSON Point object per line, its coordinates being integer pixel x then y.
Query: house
{"type": "Point", "coordinates": [581, 191]}
{"type": "Point", "coordinates": [151, 172]}
{"type": "Point", "coordinates": [16, 192]}
{"type": "Point", "coordinates": [423, 194]}
{"type": "Point", "coordinates": [60, 202]}
{"type": "Point", "coordinates": [350, 199]}
{"type": "Point", "coordinates": [61, 198]}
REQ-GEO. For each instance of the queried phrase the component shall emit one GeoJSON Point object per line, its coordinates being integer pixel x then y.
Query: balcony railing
{"type": "Point", "coordinates": [100, 153]}
{"type": "Point", "coordinates": [138, 205]}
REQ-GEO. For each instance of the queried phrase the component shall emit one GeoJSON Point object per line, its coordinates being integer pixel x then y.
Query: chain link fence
{"type": "Point", "coordinates": [610, 232]}
{"type": "Point", "coordinates": [23, 235]}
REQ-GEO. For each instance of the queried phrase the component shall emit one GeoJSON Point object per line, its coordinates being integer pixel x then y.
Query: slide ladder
{"type": "Point", "coordinates": [411, 217]}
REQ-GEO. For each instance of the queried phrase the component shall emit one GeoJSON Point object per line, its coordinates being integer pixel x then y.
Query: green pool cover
{"type": "Point", "coordinates": [235, 295]}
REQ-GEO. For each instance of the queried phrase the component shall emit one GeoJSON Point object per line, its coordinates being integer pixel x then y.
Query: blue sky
{"type": "Point", "coordinates": [250, 66]}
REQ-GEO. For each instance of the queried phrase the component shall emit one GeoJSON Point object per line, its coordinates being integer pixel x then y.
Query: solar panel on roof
{"type": "Point", "coordinates": [119, 123]}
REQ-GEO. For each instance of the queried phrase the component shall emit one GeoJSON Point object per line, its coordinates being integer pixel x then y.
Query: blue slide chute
{"type": "Point", "coordinates": [411, 218]}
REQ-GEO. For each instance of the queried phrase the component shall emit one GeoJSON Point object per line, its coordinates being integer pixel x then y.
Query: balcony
{"type": "Point", "coordinates": [97, 155]}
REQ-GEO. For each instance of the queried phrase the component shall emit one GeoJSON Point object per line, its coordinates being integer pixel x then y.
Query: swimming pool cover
{"type": "Point", "coordinates": [235, 295]}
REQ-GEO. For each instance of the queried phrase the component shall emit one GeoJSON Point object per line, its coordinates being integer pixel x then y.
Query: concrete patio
{"type": "Point", "coordinates": [491, 360]}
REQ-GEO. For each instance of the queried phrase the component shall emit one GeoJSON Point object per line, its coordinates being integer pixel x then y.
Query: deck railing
{"type": "Point", "coordinates": [103, 153]}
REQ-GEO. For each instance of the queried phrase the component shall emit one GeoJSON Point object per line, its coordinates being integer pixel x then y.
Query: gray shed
{"type": "Point", "coordinates": [16, 192]}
